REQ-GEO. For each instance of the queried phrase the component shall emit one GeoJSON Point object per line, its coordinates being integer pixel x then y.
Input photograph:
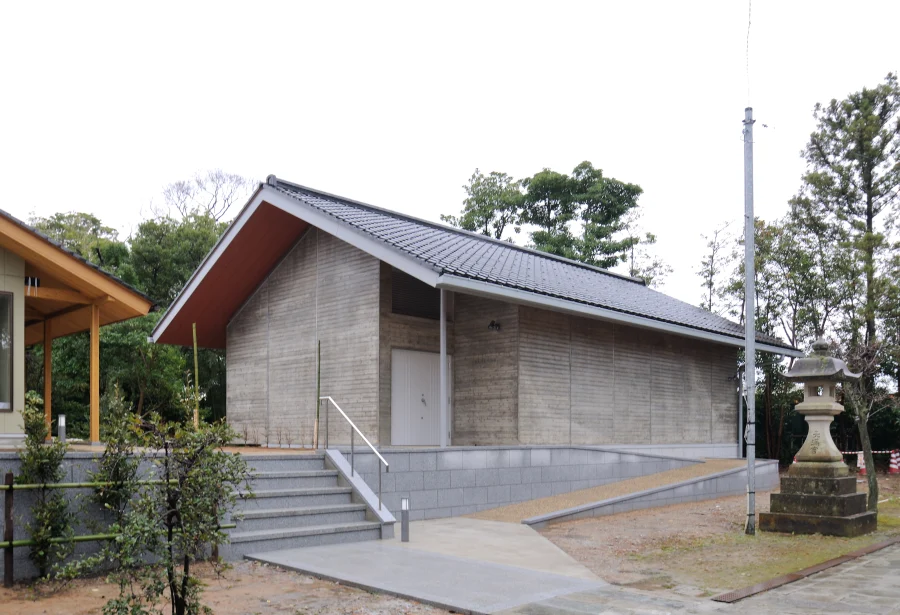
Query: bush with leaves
{"type": "Point", "coordinates": [42, 465]}
{"type": "Point", "coordinates": [172, 523]}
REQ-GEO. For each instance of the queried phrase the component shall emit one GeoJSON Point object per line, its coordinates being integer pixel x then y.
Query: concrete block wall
{"type": "Point", "coordinates": [89, 518]}
{"type": "Point", "coordinates": [722, 484]}
{"type": "Point", "coordinates": [462, 481]}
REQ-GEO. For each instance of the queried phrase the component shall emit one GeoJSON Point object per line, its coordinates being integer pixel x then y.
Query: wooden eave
{"type": "Point", "coordinates": [69, 286]}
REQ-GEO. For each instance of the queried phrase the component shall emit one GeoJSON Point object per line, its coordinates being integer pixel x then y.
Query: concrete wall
{"type": "Point", "coordinates": [486, 372]}
{"type": "Point", "coordinates": [592, 382]}
{"type": "Point", "coordinates": [467, 480]}
{"type": "Point", "coordinates": [12, 280]}
{"type": "Point", "coordinates": [87, 518]}
{"type": "Point", "coordinates": [324, 289]}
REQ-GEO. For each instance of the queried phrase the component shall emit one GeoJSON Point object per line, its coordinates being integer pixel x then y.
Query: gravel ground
{"type": "Point", "coordinates": [514, 513]}
{"type": "Point", "coordinates": [249, 588]}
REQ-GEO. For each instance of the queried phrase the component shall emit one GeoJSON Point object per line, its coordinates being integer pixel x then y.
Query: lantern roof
{"type": "Point", "coordinates": [819, 366]}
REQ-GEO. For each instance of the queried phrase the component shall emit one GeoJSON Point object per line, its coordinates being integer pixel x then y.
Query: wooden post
{"type": "Point", "coordinates": [48, 377]}
{"type": "Point", "coordinates": [196, 385]}
{"type": "Point", "coordinates": [95, 374]}
{"type": "Point", "coordinates": [8, 532]}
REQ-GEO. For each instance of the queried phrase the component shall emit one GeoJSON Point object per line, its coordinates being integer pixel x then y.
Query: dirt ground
{"type": "Point", "coordinates": [699, 549]}
{"type": "Point", "coordinates": [248, 589]}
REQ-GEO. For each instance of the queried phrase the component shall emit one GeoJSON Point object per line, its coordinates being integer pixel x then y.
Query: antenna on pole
{"type": "Point", "coordinates": [750, 321]}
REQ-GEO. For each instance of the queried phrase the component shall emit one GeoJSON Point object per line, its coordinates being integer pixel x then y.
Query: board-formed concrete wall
{"type": "Point", "coordinates": [486, 372]}
{"type": "Point", "coordinates": [584, 381]}
{"type": "Point", "coordinates": [323, 289]}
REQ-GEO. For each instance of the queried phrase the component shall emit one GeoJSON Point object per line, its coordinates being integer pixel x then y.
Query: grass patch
{"type": "Point", "coordinates": [733, 560]}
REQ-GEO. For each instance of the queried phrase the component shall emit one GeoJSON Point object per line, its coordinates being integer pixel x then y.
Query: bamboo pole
{"type": "Point", "coordinates": [196, 383]}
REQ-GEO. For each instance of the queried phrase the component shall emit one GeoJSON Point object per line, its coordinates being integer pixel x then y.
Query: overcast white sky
{"type": "Point", "coordinates": [101, 105]}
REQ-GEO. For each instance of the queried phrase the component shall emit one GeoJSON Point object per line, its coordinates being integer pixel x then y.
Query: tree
{"type": "Point", "coordinates": [492, 205]}
{"type": "Point", "coordinates": [855, 175]}
{"type": "Point", "coordinates": [641, 262]}
{"type": "Point", "coordinates": [208, 193]}
{"type": "Point", "coordinates": [548, 205]}
{"type": "Point", "coordinates": [165, 252]}
{"type": "Point", "coordinates": [86, 236]}
{"type": "Point", "coordinates": [554, 200]}
{"type": "Point", "coordinates": [150, 374]}
{"type": "Point", "coordinates": [603, 202]}
{"type": "Point", "coordinates": [854, 179]}
{"type": "Point", "coordinates": [714, 269]}
{"type": "Point", "coordinates": [176, 520]}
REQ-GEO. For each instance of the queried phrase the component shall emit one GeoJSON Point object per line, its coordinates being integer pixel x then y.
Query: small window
{"type": "Point", "coordinates": [6, 351]}
{"type": "Point", "coordinates": [413, 297]}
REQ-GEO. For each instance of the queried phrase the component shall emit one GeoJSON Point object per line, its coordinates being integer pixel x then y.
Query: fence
{"type": "Point", "coordinates": [9, 542]}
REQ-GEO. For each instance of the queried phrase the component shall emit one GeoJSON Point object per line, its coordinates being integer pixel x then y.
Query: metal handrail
{"type": "Point", "coordinates": [355, 429]}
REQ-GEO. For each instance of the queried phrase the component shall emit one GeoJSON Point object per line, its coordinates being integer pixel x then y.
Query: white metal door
{"type": "Point", "coordinates": [415, 398]}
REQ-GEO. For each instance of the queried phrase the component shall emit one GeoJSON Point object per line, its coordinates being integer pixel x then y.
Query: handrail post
{"type": "Point", "coordinates": [326, 423]}
{"type": "Point", "coordinates": [352, 472]}
{"type": "Point", "coordinates": [8, 531]}
{"type": "Point", "coordinates": [379, 486]}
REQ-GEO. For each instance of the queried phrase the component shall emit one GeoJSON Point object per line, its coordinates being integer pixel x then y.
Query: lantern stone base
{"type": "Point", "coordinates": [819, 498]}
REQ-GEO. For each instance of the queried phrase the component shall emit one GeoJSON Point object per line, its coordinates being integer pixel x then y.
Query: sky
{"type": "Point", "coordinates": [396, 104]}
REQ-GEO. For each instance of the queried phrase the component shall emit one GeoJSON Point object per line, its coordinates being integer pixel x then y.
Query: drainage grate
{"type": "Point", "coordinates": [740, 594]}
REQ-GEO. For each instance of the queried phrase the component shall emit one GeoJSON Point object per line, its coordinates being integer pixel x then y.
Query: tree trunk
{"type": "Point", "coordinates": [871, 476]}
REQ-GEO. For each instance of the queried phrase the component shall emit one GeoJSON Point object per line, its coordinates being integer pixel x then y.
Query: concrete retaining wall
{"type": "Point", "coordinates": [462, 481]}
{"type": "Point", "coordinates": [721, 484]}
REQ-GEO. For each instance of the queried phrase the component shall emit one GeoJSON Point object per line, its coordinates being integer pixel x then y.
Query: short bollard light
{"type": "Point", "coordinates": [404, 519]}
{"type": "Point", "coordinates": [61, 432]}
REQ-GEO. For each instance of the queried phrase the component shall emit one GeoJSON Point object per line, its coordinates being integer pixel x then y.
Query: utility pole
{"type": "Point", "coordinates": [750, 321]}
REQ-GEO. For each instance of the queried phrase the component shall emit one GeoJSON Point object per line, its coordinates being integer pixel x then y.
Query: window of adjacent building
{"type": "Point", "coordinates": [413, 297]}
{"type": "Point", "coordinates": [6, 351]}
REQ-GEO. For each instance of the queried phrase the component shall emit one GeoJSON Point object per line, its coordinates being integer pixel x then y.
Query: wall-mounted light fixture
{"type": "Point", "coordinates": [494, 326]}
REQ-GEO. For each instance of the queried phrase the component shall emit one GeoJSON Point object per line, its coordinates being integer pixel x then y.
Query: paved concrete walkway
{"type": "Point", "coordinates": [474, 566]}
{"type": "Point", "coordinates": [869, 585]}
{"type": "Point", "coordinates": [494, 542]}
{"type": "Point", "coordinates": [454, 583]}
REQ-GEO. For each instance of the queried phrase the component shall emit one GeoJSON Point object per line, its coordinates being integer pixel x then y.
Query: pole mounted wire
{"type": "Point", "coordinates": [747, 50]}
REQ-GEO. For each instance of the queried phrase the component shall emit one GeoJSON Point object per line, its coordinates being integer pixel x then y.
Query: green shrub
{"type": "Point", "coordinates": [42, 465]}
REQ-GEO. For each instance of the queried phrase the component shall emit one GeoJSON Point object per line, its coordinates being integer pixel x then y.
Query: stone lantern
{"type": "Point", "coordinates": [818, 496]}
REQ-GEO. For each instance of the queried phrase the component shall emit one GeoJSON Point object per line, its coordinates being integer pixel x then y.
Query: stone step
{"type": "Point", "coordinates": [285, 463]}
{"type": "Point", "coordinates": [244, 543]}
{"type": "Point", "coordinates": [287, 518]}
{"type": "Point", "coordinates": [294, 479]}
{"type": "Point", "coordinates": [789, 523]}
{"type": "Point", "coordinates": [824, 505]}
{"type": "Point", "coordinates": [295, 498]}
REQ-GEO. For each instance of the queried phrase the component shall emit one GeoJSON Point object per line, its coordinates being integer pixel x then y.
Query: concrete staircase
{"type": "Point", "coordinates": [298, 502]}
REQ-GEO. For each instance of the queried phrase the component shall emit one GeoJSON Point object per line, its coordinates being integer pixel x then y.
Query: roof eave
{"type": "Point", "coordinates": [487, 289]}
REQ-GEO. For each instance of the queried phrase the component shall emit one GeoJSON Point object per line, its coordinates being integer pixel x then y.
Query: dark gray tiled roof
{"type": "Point", "coordinates": [451, 251]}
